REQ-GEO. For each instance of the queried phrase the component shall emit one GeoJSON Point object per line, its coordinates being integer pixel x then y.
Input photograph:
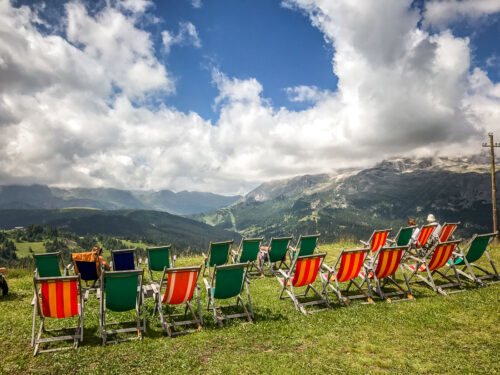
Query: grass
{"type": "Point", "coordinates": [452, 334]}
{"type": "Point", "coordinates": [23, 248]}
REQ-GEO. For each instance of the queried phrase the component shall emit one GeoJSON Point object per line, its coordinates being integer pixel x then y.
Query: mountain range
{"type": "Point", "coordinates": [352, 202]}
{"type": "Point", "coordinates": [45, 197]}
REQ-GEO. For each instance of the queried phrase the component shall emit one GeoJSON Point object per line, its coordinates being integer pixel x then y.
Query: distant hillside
{"type": "Point", "coordinates": [133, 224]}
{"type": "Point", "coordinates": [353, 202]}
{"type": "Point", "coordinates": [44, 197]}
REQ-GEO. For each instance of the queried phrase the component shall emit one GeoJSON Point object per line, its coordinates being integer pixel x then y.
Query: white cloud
{"type": "Point", "coordinates": [135, 6]}
{"type": "Point", "coordinates": [440, 13]}
{"type": "Point", "coordinates": [196, 3]}
{"type": "Point", "coordinates": [74, 111]}
{"type": "Point", "coordinates": [187, 35]}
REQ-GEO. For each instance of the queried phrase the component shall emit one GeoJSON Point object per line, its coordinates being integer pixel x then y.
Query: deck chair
{"type": "Point", "coordinates": [49, 265]}
{"type": "Point", "coordinates": [248, 251]}
{"type": "Point", "coordinates": [346, 269]}
{"type": "Point", "coordinates": [275, 252]}
{"type": "Point", "coordinates": [303, 273]}
{"type": "Point", "coordinates": [217, 255]}
{"type": "Point", "coordinates": [88, 266]}
{"type": "Point", "coordinates": [57, 298]}
{"type": "Point", "coordinates": [124, 260]}
{"type": "Point", "coordinates": [424, 236]}
{"type": "Point", "coordinates": [228, 281]}
{"type": "Point", "coordinates": [381, 272]}
{"type": "Point", "coordinates": [306, 245]}
{"type": "Point", "coordinates": [403, 236]}
{"type": "Point", "coordinates": [159, 258]}
{"type": "Point", "coordinates": [447, 231]}
{"type": "Point", "coordinates": [472, 252]}
{"type": "Point", "coordinates": [377, 239]}
{"type": "Point", "coordinates": [3, 281]}
{"type": "Point", "coordinates": [121, 291]}
{"type": "Point", "coordinates": [431, 262]}
{"type": "Point", "coordinates": [178, 287]}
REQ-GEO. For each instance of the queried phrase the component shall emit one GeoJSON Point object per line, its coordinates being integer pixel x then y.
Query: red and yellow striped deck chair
{"type": "Point", "coordinates": [303, 273]}
{"type": "Point", "coordinates": [447, 231]}
{"type": "Point", "coordinates": [381, 272]}
{"type": "Point", "coordinates": [346, 269]}
{"type": "Point", "coordinates": [377, 239]}
{"type": "Point", "coordinates": [424, 237]}
{"type": "Point", "coordinates": [431, 262]}
{"type": "Point", "coordinates": [178, 286]}
{"type": "Point", "coordinates": [58, 298]}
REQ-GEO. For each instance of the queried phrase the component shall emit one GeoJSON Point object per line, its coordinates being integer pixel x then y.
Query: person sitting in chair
{"type": "Point", "coordinates": [3, 281]}
{"type": "Point", "coordinates": [98, 251]}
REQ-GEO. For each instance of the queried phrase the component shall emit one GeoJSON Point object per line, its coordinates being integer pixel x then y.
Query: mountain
{"type": "Point", "coordinates": [353, 202]}
{"type": "Point", "coordinates": [45, 197]}
{"type": "Point", "coordinates": [132, 224]}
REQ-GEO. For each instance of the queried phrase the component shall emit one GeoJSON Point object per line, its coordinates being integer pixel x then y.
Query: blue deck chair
{"type": "Point", "coordinates": [124, 260]}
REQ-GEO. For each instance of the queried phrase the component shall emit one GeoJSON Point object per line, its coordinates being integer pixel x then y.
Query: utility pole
{"type": "Point", "coordinates": [492, 146]}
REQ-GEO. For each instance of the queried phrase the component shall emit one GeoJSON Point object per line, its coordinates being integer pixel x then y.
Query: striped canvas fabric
{"type": "Point", "coordinates": [59, 298]}
{"type": "Point", "coordinates": [388, 262]}
{"type": "Point", "coordinates": [350, 265]}
{"type": "Point", "coordinates": [425, 234]}
{"type": "Point", "coordinates": [180, 287]}
{"type": "Point", "coordinates": [306, 271]}
{"type": "Point", "coordinates": [446, 232]}
{"type": "Point", "coordinates": [378, 240]}
{"type": "Point", "coordinates": [441, 255]}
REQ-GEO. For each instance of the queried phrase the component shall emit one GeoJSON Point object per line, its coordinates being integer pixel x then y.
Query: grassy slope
{"type": "Point", "coordinates": [23, 248]}
{"type": "Point", "coordinates": [434, 334]}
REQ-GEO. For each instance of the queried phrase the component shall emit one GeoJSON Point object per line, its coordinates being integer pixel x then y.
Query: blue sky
{"type": "Point", "coordinates": [222, 95]}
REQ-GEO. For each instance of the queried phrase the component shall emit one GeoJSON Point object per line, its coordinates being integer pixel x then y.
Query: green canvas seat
{"type": "Point", "coordinates": [121, 291]}
{"type": "Point", "coordinates": [228, 281]}
{"type": "Point", "coordinates": [218, 254]}
{"type": "Point", "coordinates": [248, 251]}
{"type": "Point", "coordinates": [306, 245]}
{"type": "Point", "coordinates": [403, 236]}
{"type": "Point", "coordinates": [159, 258]}
{"type": "Point", "coordinates": [465, 259]}
{"type": "Point", "coordinates": [49, 265]}
{"type": "Point", "coordinates": [275, 252]}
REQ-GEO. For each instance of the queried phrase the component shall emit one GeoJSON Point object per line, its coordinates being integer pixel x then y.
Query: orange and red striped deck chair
{"type": "Point", "coordinates": [178, 286]}
{"type": "Point", "coordinates": [381, 272]}
{"type": "Point", "coordinates": [303, 273]}
{"type": "Point", "coordinates": [424, 236]}
{"type": "Point", "coordinates": [58, 298]}
{"type": "Point", "coordinates": [431, 262]}
{"type": "Point", "coordinates": [346, 269]}
{"type": "Point", "coordinates": [377, 239]}
{"type": "Point", "coordinates": [447, 231]}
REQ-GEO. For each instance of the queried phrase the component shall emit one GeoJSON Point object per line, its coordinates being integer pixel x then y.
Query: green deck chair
{"type": "Point", "coordinates": [121, 291]}
{"type": "Point", "coordinates": [159, 258]}
{"type": "Point", "coordinates": [403, 237]}
{"type": "Point", "coordinates": [248, 251]}
{"type": "Point", "coordinates": [228, 281]}
{"type": "Point", "coordinates": [306, 245]}
{"type": "Point", "coordinates": [276, 252]}
{"type": "Point", "coordinates": [217, 255]}
{"type": "Point", "coordinates": [49, 265]}
{"type": "Point", "coordinates": [472, 252]}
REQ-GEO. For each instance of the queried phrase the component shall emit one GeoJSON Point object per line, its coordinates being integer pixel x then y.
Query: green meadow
{"type": "Point", "coordinates": [433, 334]}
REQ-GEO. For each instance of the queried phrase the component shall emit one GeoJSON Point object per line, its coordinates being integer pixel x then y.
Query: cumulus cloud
{"type": "Point", "coordinates": [187, 35]}
{"type": "Point", "coordinates": [196, 3]}
{"type": "Point", "coordinates": [75, 108]}
{"type": "Point", "coordinates": [440, 13]}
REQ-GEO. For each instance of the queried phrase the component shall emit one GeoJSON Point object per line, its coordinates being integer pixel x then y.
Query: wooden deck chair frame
{"type": "Point", "coordinates": [139, 302]}
{"type": "Point", "coordinates": [447, 230]}
{"type": "Point", "coordinates": [382, 270]}
{"type": "Point", "coordinates": [188, 295]}
{"type": "Point", "coordinates": [348, 266]}
{"type": "Point", "coordinates": [94, 287]}
{"type": "Point", "coordinates": [377, 240]}
{"type": "Point", "coordinates": [239, 255]}
{"type": "Point", "coordinates": [157, 263]}
{"type": "Point", "coordinates": [269, 257]}
{"type": "Point", "coordinates": [115, 253]}
{"type": "Point", "coordinates": [211, 291]}
{"type": "Point", "coordinates": [207, 258]}
{"type": "Point", "coordinates": [431, 262]}
{"type": "Point", "coordinates": [401, 232]}
{"type": "Point", "coordinates": [298, 249]}
{"type": "Point", "coordinates": [302, 268]}
{"type": "Point", "coordinates": [460, 258]}
{"type": "Point", "coordinates": [60, 264]}
{"type": "Point", "coordinates": [53, 306]}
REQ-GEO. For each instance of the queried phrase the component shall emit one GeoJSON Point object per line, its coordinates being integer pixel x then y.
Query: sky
{"type": "Point", "coordinates": [222, 95]}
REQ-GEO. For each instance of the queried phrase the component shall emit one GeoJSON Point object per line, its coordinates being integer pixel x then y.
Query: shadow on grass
{"type": "Point", "coordinates": [12, 296]}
